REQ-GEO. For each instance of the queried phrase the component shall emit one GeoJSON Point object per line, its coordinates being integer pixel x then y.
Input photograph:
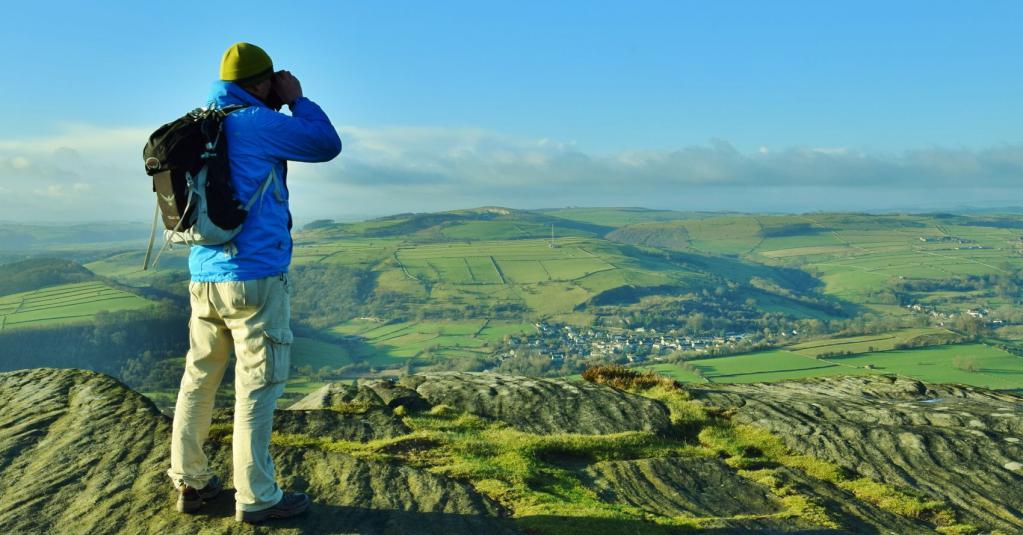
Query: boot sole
{"type": "Point", "coordinates": [255, 517]}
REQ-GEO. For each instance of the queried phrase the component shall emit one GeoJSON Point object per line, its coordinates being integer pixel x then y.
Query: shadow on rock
{"type": "Point", "coordinates": [339, 519]}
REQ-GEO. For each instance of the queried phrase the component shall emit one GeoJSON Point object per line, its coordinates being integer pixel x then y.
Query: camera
{"type": "Point", "coordinates": [273, 100]}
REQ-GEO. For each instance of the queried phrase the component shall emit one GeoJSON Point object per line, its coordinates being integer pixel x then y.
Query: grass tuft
{"type": "Point", "coordinates": [624, 378]}
{"type": "Point", "coordinates": [356, 406]}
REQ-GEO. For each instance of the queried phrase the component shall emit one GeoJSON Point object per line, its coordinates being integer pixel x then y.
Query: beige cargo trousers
{"type": "Point", "coordinates": [252, 317]}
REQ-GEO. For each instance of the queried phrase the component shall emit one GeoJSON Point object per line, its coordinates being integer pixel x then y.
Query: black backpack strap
{"type": "Point", "coordinates": [229, 108]}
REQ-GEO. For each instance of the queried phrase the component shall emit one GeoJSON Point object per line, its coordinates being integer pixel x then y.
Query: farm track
{"type": "Point", "coordinates": [64, 305]}
{"type": "Point", "coordinates": [436, 271]}
{"type": "Point", "coordinates": [759, 233]}
{"type": "Point", "coordinates": [402, 266]}
{"type": "Point", "coordinates": [77, 297]}
{"type": "Point", "coordinates": [50, 319]}
{"type": "Point", "coordinates": [323, 258]}
{"type": "Point", "coordinates": [497, 268]}
{"type": "Point", "coordinates": [545, 270]}
{"type": "Point", "coordinates": [611, 267]}
{"type": "Point", "coordinates": [69, 288]}
{"type": "Point", "coordinates": [967, 259]}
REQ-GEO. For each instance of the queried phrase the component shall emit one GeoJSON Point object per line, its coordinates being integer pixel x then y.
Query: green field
{"type": "Point", "coordinates": [127, 266]}
{"type": "Point", "coordinates": [388, 344]}
{"type": "Point", "coordinates": [455, 262]}
{"type": "Point", "coordinates": [994, 368]}
{"type": "Point", "coordinates": [762, 366]}
{"type": "Point", "coordinates": [446, 274]}
{"type": "Point", "coordinates": [66, 303]}
{"type": "Point", "coordinates": [617, 217]}
{"type": "Point", "coordinates": [546, 281]}
{"type": "Point", "coordinates": [872, 342]}
{"type": "Point", "coordinates": [854, 255]}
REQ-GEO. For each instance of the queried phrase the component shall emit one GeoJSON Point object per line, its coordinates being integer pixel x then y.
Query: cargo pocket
{"type": "Point", "coordinates": [278, 353]}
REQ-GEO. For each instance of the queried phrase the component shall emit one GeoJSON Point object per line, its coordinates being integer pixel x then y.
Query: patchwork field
{"type": "Point", "coordinates": [542, 278]}
{"type": "Point", "coordinates": [854, 255]}
{"type": "Point", "coordinates": [392, 343]}
{"type": "Point", "coordinates": [459, 281]}
{"type": "Point", "coordinates": [763, 366]}
{"type": "Point", "coordinates": [971, 364]}
{"type": "Point", "coordinates": [127, 266]}
{"type": "Point", "coordinates": [64, 304]}
{"type": "Point", "coordinates": [872, 342]}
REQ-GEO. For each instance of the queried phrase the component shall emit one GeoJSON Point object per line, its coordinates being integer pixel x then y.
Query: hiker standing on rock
{"type": "Point", "coordinates": [239, 291]}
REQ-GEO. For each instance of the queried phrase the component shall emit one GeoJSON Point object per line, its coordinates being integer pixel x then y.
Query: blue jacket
{"type": "Point", "coordinates": [259, 138]}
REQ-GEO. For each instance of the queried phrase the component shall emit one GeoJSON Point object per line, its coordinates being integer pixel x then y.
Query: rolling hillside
{"type": "Point", "coordinates": [64, 303]}
{"type": "Point", "coordinates": [454, 270]}
{"type": "Point", "coordinates": [451, 290]}
{"type": "Point", "coordinates": [856, 256]}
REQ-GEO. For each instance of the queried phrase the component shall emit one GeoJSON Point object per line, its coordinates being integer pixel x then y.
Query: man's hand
{"type": "Point", "coordinates": [287, 87]}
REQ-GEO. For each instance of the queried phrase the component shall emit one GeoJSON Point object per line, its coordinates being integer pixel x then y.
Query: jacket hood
{"type": "Point", "coordinates": [229, 93]}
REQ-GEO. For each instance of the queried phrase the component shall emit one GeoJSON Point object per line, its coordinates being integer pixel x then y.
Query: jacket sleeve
{"type": "Point", "coordinates": [305, 136]}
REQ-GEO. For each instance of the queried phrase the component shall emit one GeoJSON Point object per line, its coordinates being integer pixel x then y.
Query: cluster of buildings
{"type": "Point", "coordinates": [636, 345]}
{"type": "Point", "coordinates": [961, 243]}
{"type": "Point", "coordinates": [945, 239]}
{"type": "Point", "coordinates": [979, 313]}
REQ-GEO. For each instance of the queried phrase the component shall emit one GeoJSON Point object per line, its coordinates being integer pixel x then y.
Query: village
{"type": "Point", "coordinates": [633, 345]}
{"type": "Point", "coordinates": [981, 314]}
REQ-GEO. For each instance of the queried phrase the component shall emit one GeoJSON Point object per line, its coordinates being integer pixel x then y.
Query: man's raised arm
{"type": "Point", "coordinates": [305, 136]}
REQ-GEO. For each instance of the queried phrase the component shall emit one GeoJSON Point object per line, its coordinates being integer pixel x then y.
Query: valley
{"type": "Point", "coordinates": [700, 297]}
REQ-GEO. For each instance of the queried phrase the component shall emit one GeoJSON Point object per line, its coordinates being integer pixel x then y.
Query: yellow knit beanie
{"type": "Point", "coordinates": [244, 61]}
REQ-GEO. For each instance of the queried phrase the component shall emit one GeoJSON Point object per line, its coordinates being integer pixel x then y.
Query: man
{"type": "Point", "coordinates": [239, 291]}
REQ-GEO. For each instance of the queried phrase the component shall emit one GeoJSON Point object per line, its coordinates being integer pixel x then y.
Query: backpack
{"type": "Point", "coordinates": [187, 160]}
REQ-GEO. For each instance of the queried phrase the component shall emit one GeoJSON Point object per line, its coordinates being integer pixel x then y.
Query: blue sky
{"type": "Point", "coordinates": [741, 105]}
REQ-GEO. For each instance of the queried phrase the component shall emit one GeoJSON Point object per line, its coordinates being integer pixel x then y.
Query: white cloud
{"type": "Point", "coordinates": [92, 172]}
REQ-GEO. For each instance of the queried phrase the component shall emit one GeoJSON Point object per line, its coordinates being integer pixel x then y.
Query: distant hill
{"type": "Point", "coordinates": [55, 312]}
{"type": "Point", "coordinates": [23, 237]}
{"type": "Point", "coordinates": [618, 217]}
{"type": "Point", "coordinates": [464, 289]}
{"type": "Point", "coordinates": [487, 223]}
{"type": "Point", "coordinates": [857, 256]}
{"type": "Point", "coordinates": [35, 273]}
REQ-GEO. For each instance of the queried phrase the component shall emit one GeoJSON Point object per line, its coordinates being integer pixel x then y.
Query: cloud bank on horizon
{"type": "Point", "coordinates": [93, 173]}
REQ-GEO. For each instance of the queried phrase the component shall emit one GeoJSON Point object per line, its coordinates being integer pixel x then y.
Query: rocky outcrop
{"type": "Point", "coordinates": [82, 453]}
{"type": "Point", "coordinates": [542, 406]}
{"type": "Point", "coordinates": [679, 486]}
{"type": "Point", "coordinates": [394, 395]}
{"type": "Point", "coordinates": [340, 396]}
{"type": "Point", "coordinates": [79, 453]}
{"type": "Point", "coordinates": [358, 427]}
{"type": "Point", "coordinates": [955, 443]}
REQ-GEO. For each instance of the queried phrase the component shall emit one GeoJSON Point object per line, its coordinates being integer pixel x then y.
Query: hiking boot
{"type": "Point", "coordinates": [190, 500]}
{"type": "Point", "coordinates": [291, 504]}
